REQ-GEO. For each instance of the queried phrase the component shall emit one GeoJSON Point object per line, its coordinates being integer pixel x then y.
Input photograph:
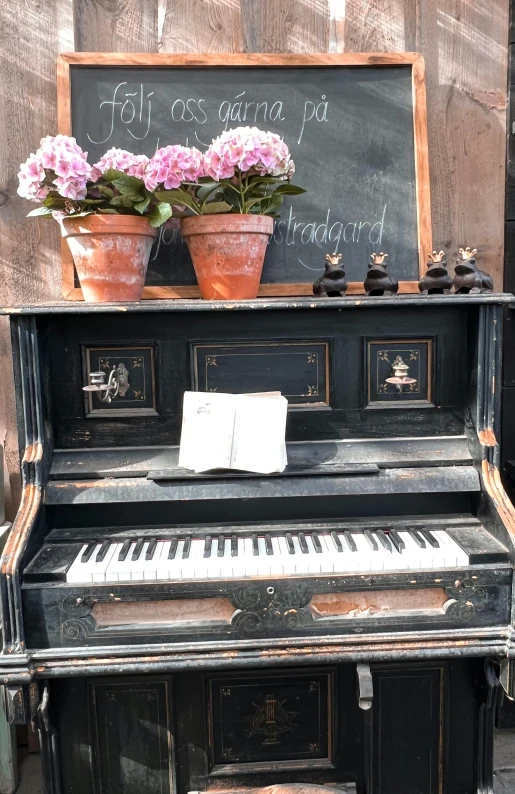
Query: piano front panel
{"type": "Point", "coordinates": [332, 365]}
{"type": "Point", "coordinates": [267, 608]}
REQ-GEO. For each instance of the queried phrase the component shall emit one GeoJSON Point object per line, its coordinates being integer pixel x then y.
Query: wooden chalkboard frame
{"type": "Point", "coordinates": [415, 60]}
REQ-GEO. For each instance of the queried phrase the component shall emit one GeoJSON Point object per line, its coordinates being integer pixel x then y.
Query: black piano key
{"type": "Point", "coordinates": [186, 548]}
{"type": "Point", "coordinates": [234, 546]}
{"type": "Point", "coordinates": [268, 544]}
{"type": "Point", "coordinates": [137, 549]}
{"type": "Point", "coordinates": [291, 545]}
{"type": "Point", "coordinates": [417, 537]}
{"type": "Point", "coordinates": [397, 540]}
{"type": "Point", "coordinates": [207, 546]}
{"type": "Point", "coordinates": [430, 538]}
{"type": "Point", "coordinates": [88, 552]}
{"type": "Point", "coordinates": [337, 542]}
{"type": "Point", "coordinates": [173, 548]}
{"type": "Point", "coordinates": [255, 547]}
{"type": "Point", "coordinates": [151, 549]}
{"type": "Point", "coordinates": [371, 539]}
{"type": "Point", "coordinates": [350, 541]}
{"type": "Point", "coordinates": [303, 544]}
{"type": "Point", "coordinates": [221, 546]}
{"type": "Point", "coordinates": [124, 550]}
{"type": "Point", "coordinates": [103, 550]}
{"type": "Point", "coordinates": [384, 539]}
{"type": "Point", "coordinates": [316, 542]}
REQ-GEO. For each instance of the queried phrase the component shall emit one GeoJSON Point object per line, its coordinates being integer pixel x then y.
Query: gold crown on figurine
{"type": "Point", "coordinates": [378, 259]}
{"type": "Point", "coordinates": [436, 257]}
{"type": "Point", "coordinates": [333, 258]}
{"type": "Point", "coordinates": [467, 253]}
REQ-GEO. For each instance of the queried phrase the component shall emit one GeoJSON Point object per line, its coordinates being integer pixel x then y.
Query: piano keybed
{"type": "Point", "coordinates": [228, 556]}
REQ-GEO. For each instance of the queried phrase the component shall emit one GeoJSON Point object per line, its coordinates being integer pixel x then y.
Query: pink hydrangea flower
{"type": "Point", "coordinates": [247, 149]}
{"type": "Point", "coordinates": [121, 160]}
{"type": "Point", "coordinates": [58, 164]}
{"type": "Point", "coordinates": [172, 165]}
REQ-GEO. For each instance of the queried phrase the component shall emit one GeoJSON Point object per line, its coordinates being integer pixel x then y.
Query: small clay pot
{"type": "Point", "coordinates": [111, 254]}
{"type": "Point", "coordinates": [228, 252]}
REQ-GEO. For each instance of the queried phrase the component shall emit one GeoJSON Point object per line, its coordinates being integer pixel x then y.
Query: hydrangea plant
{"type": "Point", "coordinates": [245, 170]}
{"type": "Point", "coordinates": [59, 177]}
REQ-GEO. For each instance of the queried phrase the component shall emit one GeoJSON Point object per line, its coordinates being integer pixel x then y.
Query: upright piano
{"type": "Point", "coordinates": [347, 622]}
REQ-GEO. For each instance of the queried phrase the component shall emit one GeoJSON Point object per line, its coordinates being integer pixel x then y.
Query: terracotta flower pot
{"type": "Point", "coordinates": [111, 254]}
{"type": "Point", "coordinates": [228, 252]}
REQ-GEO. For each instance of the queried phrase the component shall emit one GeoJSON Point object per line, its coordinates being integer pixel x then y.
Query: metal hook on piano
{"type": "Point", "coordinates": [118, 383]}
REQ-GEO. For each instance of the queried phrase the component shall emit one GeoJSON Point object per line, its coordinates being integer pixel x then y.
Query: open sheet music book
{"type": "Point", "coordinates": [234, 431]}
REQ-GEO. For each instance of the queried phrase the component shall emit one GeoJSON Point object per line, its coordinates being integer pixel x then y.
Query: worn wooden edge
{"type": "Point", "coordinates": [495, 490]}
{"type": "Point", "coordinates": [238, 59]}
{"type": "Point", "coordinates": [261, 304]}
{"type": "Point", "coordinates": [265, 290]}
{"type": "Point", "coordinates": [422, 182]}
{"type": "Point", "coordinates": [67, 59]}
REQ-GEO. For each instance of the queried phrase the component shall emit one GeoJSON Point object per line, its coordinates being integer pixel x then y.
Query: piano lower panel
{"type": "Point", "coordinates": [219, 731]}
{"type": "Point", "coordinates": [296, 607]}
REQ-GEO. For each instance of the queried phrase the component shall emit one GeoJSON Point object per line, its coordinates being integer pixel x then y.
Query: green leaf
{"type": "Point", "coordinates": [112, 175]}
{"type": "Point", "coordinates": [92, 201]}
{"type": "Point", "coordinates": [106, 191]}
{"type": "Point", "coordinates": [141, 206]}
{"type": "Point", "coordinates": [288, 189]}
{"type": "Point", "coordinates": [107, 211]}
{"type": "Point", "coordinates": [271, 205]}
{"type": "Point", "coordinates": [216, 207]}
{"type": "Point", "coordinates": [131, 194]}
{"type": "Point", "coordinates": [173, 197]}
{"type": "Point", "coordinates": [131, 182]}
{"type": "Point", "coordinates": [54, 203]}
{"type": "Point", "coordinates": [160, 213]}
{"type": "Point", "coordinates": [40, 211]}
{"type": "Point", "coordinates": [121, 201]}
{"type": "Point", "coordinates": [204, 191]}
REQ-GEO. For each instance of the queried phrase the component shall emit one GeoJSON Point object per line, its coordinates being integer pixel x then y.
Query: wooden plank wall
{"type": "Point", "coordinates": [464, 42]}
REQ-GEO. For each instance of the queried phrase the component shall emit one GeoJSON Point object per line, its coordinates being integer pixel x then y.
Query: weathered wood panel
{"type": "Point", "coordinates": [116, 25]}
{"type": "Point", "coordinates": [200, 26]}
{"type": "Point", "coordinates": [464, 43]}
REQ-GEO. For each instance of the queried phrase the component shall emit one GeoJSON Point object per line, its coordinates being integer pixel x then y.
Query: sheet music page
{"type": "Point", "coordinates": [259, 433]}
{"type": "Point", "coordinates": [207, 431]}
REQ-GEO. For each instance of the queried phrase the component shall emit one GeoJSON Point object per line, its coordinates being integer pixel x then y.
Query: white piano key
{"type": "Point", "coordinates": [80, 571]}
{"type": "Point", "coordinates": [111, 572]}
{"type": "Point", "coordinates": [99, 569]}
{"type": "Point", "coordinates": [454, 556]}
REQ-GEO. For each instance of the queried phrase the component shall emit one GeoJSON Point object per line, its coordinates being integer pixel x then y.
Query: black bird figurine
{"type": "Point", "coordinates": [378, 281]}
{"type": "Point", "coordinates": [436, 280]}
{"type": "Point", "coordinates": [333, 283]}
{"type": "Point", "coordinates": [467, 276]}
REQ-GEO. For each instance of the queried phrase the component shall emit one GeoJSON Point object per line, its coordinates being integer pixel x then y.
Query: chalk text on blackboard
{"type": "Point", "coordinates": [293, 232]}
{"type": "Point", "coordinates": [129, 112]}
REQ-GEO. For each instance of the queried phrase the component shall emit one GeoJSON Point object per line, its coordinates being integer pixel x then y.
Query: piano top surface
{"type": "Point", "coordinates": [301, 302]}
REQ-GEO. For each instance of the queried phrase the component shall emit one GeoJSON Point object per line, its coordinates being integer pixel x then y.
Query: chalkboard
{"type": "Point", "coordinates": [355, 126]}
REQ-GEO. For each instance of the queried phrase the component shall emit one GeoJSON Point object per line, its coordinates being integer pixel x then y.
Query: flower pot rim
{"type": "Point", "coordinates": [107, 224]}
{"type": "Point", "coordinates": [227, 222]}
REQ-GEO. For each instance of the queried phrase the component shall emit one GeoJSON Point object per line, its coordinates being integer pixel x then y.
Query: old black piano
{"type": "Point", "coordinates": [347, 623]}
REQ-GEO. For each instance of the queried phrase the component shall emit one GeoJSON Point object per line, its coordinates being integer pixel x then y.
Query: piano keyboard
{"type": "Point", "coordinates": [234, 556]}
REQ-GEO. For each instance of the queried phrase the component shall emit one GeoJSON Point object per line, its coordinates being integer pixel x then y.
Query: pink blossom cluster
{"type": "Point", "coordinates": [173, 165]}
{"type": "Point", "coordinates": [248, 149]}
{"type": "Point", "coordinates": [121, 160]}
{"type": "Point", "coordinates": [59, 164]}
